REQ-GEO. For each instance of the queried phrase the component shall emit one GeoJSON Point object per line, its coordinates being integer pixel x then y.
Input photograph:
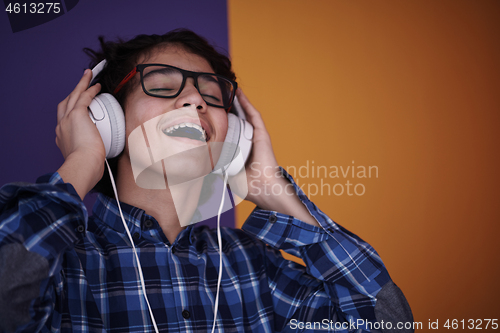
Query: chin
{"type": "Point", "coordinates": [188, 168]}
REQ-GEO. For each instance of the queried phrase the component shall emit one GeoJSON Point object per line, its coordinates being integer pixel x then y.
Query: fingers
{"type": "Point", "coordinates": [80, 88]}
{"type": "Point", "coordinates": [79, 98]}
{"type": "Point", "coordinates": [68, 104]}
{"type": "Point", "coordinates": [86, 97]}
{"type": "Point", "coordinates": [61, 109]}
{"type": "Point", "coordinates": [253, 115]}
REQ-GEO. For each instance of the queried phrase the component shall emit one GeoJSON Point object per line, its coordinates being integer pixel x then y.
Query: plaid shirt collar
{"type": "Point", "coordinates": [138, 221]}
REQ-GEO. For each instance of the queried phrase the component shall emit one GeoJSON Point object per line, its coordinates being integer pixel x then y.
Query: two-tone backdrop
{"type": "Point", "coordinates": [385, 112]}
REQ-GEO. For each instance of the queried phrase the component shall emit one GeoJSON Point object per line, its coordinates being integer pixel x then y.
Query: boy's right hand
{"type": "Point", "coordinates": [78, 138]}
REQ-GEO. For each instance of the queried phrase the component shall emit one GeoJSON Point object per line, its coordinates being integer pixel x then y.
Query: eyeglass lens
{"type": "Point", "coordinates": [166, 81]}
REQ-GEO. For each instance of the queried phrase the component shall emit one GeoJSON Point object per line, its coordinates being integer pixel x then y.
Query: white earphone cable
{"type": "Point", "coordinates": [219, 240]}
{"type": "Point", "coordinates": [143, 285]}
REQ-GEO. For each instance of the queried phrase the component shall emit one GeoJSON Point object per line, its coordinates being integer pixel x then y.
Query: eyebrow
{"type": "Point", "coordinates": [210, 77]}
{"type": "Point", "coordinates": [163, 70]}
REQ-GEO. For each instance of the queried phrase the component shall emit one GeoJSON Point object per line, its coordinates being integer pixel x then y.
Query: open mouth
{"type": "Point", "coordinates": [187, 130]}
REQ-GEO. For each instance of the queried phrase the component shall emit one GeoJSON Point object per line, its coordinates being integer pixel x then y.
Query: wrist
{"type": "Point", "coordinates": [83, 171]}
{"type": "Point", "coordinates": [279, 195]}
{"type": "Point", "coordinates": [268, 193]}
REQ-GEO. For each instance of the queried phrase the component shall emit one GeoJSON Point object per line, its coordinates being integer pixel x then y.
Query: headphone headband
{"type": "Point", "coordinates": [97, 69]}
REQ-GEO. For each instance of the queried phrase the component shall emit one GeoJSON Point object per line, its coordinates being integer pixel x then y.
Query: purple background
{"type": "Point", "coordinates": [40, 67]}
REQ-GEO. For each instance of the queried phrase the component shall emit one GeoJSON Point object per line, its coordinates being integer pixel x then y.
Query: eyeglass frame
{"type": "Point", "coordinates": [185, 74]}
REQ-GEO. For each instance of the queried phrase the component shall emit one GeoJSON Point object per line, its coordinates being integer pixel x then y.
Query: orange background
{"type": "Point", "coordinates": [411, 87]}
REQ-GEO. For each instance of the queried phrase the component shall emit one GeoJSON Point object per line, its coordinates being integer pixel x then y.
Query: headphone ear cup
{"type": "Point", "coordinates": [230, 146]}
{"type": "Point", "coordinates": [108, 116]}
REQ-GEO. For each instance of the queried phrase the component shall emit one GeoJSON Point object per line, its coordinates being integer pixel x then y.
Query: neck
{"type": "Point", "coordinates": [173, 207]}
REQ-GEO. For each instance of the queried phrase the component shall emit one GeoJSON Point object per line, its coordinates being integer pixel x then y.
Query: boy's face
{"type": "Point", "coordinates": [153, 117]}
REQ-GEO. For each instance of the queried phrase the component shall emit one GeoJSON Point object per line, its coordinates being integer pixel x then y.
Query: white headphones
{"type": "Point", "coordinates": [107, 114]}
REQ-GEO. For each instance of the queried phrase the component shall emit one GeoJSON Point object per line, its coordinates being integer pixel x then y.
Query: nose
{"type": "Point", "coordinates": [190, 96]}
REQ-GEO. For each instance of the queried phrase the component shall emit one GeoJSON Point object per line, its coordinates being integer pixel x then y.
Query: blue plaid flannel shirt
{"type": "Point", "coordinates": [82, 274]}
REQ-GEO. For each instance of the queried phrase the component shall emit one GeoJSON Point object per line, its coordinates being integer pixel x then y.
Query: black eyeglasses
{"type": "Point", "coordinates": [167, 81]}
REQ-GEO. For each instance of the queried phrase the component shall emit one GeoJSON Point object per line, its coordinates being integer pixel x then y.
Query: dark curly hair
{"type": "Point", "coordinates": [122, 56]}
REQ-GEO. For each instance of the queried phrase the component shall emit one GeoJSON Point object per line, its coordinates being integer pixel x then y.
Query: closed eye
{"type": "Point", "coordinates": [210, 97]}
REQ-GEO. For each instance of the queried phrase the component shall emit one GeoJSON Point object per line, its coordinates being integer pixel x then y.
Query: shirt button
{"type": "Point", "coordinates": [136, 235]}
{"type": "Point", "coordinates": [273, 218]}
{"type": "Point", "coordinates": [173, 252]}
{"type": "Point", "coordinates": [186, 314]}
{"type": "Point", "coordinates": [80, 228]}
{"type": "Point", "coordinates": [148, 224]}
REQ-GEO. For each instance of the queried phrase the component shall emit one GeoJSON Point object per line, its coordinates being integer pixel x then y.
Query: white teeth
{"type": "Point", "coordinates": [181, 125]}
